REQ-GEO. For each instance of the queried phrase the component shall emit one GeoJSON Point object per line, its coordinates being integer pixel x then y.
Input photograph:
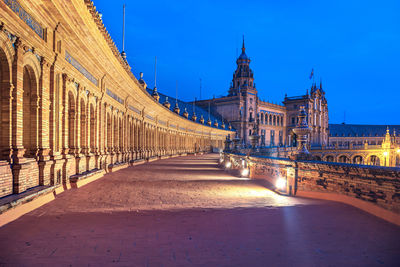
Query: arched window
{"type": "Point", "coordinates": [374, 160]}
{"type": "Point", "coordinates": [358, 160]}
{"type": "Point", "coordinates": [343, 159]}
{"type": "Point", "coordinates": [329, 158]}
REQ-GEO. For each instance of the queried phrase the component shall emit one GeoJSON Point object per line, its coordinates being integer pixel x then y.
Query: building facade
{"type": "Point", "coordinates": [242, 108]}
{"type": "Point", "coordinates": [70, 104]}
{"type": "Point", "coordinates": [356, 144]}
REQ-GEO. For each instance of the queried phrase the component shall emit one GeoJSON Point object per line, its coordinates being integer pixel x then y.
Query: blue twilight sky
{"type": "Point", "coordinates": [354, 46]}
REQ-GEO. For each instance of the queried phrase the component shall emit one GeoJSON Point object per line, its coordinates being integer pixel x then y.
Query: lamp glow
{"type": "Point", "coordinates": [245, 172]}
{"type": "Point", "coordinates": [280, 183]}
{"type": "Point", "coordinates": [228, 165]}
{"type": "Point", "coordinates": [385, 153]}
{"type": "Point", "coordinates": [398, 150]}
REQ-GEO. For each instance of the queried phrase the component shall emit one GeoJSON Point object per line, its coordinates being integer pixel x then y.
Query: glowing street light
{"type": "Point", "coordinates": [228, 164]}
{"type": "Point", "coordinates": [245, 172]}
{"type": "Point", "coordinates": [280, 183]}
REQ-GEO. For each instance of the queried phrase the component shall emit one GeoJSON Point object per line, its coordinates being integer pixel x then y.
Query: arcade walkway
{"type": "Point", "coordinates": [186, 212]}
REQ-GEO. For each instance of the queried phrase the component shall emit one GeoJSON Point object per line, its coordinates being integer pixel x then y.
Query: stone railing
{"type": "Point", "coordinates": [271, 151]}
{"type": "Point", "coordinates": [374, 185]}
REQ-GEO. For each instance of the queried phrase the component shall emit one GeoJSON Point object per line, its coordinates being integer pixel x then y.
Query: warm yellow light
{"type": "Point", "coordinates": [245, 172]}
{"type": "Point", "coordinates": [228, 165]}
{"type": "Point", "coordinates": [280, 183]}
{"type": "Point", "coordinates": [398, 150]}
{"type": "Point", "coordinates": [385, 153]}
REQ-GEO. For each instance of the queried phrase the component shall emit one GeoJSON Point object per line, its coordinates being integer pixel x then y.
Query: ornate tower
{"type": "Point", "coordinates": [243, 87]}
{"type": "Point", "coordinates": [243, 76]}
{"type": "Point", "coordinates": [318, 112]}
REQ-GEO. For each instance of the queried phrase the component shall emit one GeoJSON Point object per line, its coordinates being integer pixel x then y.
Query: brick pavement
{"type": "Point", "coordinates": [186, 212]}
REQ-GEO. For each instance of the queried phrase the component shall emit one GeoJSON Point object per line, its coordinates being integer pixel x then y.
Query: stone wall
{"type": "Point", "coordinates": [379, 186]}
{"type": "Point", "coordinates": [5, 179]}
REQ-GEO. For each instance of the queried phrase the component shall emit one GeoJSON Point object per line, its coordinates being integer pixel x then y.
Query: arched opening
{"type": "Point", "coordinates": [83, 126]}
{"type": "Point", "coordinates": [131, 134]}
{"type": "Point", "coordinates": [374, 160]}
{"type": "Point", "coordinates": [329, 158]}
{"type": "Point", "coordinates": [135, 136]}
{"type": "Point", "coordinates": [92, 128]}
{"type": "Point", "coordinates": [115, 132]}
{"type": "Point", "coordinates": [343, 159]}
{"type": "Point", "coordinates": [71, 122]}
{"type": "Point", "coordinates": [262, 118]}
{"type": "Point", "coordinates": [121, 139]}
{"type": "Point", "coordinates": [358, 160]}
{"type": "Point", "coordinates": [29, 137]}
{"type": "Point", "coordinates": [5, 122]}
{"type": "Point", "coordinates": [109, 145]}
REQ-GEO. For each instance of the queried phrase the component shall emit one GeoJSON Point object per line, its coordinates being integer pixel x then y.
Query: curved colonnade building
{"type": "Point", "coordinates": [70, 104]}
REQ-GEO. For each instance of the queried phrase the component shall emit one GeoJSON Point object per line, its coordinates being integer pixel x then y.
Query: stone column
{"type": "Point", "coordinates": [17, 105]}
{"type": "Point", "coordinates": [44, 127]}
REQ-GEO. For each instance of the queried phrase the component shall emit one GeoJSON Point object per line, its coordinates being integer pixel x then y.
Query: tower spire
{"type": "Point", "coordinates": [243, 47]}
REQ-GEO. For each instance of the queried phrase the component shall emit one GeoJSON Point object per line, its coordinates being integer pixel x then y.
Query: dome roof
{"type": "Point", "coordinates": [243, 56]}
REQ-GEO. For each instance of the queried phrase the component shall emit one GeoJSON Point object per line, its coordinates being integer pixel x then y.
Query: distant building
{"type": "Point", "coordinates": [242, 108]}
{"type": "Point", "coordinates": [342, 135]}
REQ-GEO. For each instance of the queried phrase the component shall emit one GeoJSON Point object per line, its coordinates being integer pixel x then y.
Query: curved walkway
{"type": "Point", "coordinates": [186, 212]}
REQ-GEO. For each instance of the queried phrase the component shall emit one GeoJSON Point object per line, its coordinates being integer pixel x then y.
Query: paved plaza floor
{"type": "Point", "coordinates": [186, 212]}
